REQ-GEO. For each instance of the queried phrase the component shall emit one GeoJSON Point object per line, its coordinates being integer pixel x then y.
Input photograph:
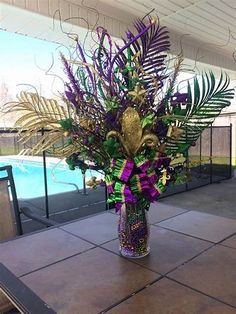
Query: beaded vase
{"type": "Point", "coordinates": [133, 231]}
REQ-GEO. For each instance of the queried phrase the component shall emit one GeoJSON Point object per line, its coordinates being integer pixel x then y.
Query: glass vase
{"type": "Point", "coordinates": [133, 231]}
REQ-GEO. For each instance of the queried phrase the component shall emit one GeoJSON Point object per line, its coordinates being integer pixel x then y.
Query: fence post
{"type": "Point", "coordinates": [230, 150]}
{"type": "Point", "coordinates": [45, 181]}
{"type": "Point", "coordinates": [14, 139]}
{"type": "Point", "coordinates": [211, 154]}
{"type": "Point", "coordinates": [106, 196]}
{"type": "Point", "coordinates": [187, 162]}
{"type": "Point", "coordinates": [200, 155]}
{"type": "Point", "coordinates": [84, 183]}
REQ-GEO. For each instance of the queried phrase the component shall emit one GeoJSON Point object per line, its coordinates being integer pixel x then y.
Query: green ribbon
{"type": "Point", "coordinates": [140, 161]}
{"type": "Point", "coordinates": [66, 124]}
{"type": "Point", "coordinates": [161, 187]}
{"type": "Point", "coordinates": [147, 120]}
{"type": "Point", "coordinates": [135, 184]}
{"type": "Point", "coordinates": [111, 198]}
{"type": "Point", "coordinates": [118, 193]}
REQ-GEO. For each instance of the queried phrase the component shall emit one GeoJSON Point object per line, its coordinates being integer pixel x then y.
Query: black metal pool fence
{"type": "Point", "coordinates": [208, 161]}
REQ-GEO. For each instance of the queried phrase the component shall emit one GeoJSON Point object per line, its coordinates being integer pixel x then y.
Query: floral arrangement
{"type": "Point", "coordinates": [122, 113]}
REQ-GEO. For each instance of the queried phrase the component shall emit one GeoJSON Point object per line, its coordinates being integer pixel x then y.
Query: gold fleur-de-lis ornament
{"type": "Point", "coordinates": [132, 137]}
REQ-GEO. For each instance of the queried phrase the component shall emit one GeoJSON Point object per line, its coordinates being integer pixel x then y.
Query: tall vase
{"type": "Point", "coordinates": [133, 231]}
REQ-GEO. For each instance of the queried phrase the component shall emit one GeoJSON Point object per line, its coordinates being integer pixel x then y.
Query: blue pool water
{"type": "Point", "coordinates": [29, 179]}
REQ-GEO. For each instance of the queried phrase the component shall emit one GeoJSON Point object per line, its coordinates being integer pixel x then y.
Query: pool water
{"type": "Point", "coordinates": [29, 178]}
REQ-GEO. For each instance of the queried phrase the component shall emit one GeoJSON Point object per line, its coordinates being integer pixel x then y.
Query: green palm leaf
{"type": "Point", "coordinates": [206, 99]}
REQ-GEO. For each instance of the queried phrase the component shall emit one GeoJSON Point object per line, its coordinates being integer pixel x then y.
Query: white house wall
{"type": "Point", "coordinates": [116, 21]}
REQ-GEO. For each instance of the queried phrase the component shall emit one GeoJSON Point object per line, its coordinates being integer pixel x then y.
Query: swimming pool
{"type": "Point", "coordinates": [29, 179]}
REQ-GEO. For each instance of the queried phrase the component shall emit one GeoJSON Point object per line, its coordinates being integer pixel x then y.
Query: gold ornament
{"type": "Point", "coordinates": [138, 93]}
{"type": "Point", "coordinates": [87, 124]}
{"type": "Point", "coordinates": [174, 132]}
{"type": "Point", "coordinates": [164, 177]}
{"type": "Point", "coordinates": [93, 182]}
{"type": "Point", "coordinates": [136, 56]}
{"type": "Point", "coordinates": [132, 137]}
{"type": "Point", "coordinates": [162, 148]}
{"type": "Point", "coordinates": [66, 133]}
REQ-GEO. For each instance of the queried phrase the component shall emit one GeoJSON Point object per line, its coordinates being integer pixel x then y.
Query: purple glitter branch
{"type": "Point", "coordinates": [105, 33]}
{"type": "Point", "coordinates": [179, 98]}
{"type": "Point", "coordinates": [121, 50]}
{"type": "Point", "coordinates": [87, 68]}
{"type": "Point", "coordinates": [71, 96]}
{"type": "Point", "coordinates": [121, 59]}
{"type": "Point", "coordinates": [102, 50]}
{"type": "Point", "coordinates": [71, 77]}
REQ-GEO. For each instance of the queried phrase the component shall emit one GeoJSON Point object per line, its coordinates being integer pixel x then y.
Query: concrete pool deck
{"type": "Point", "coordinates": [65, 207]}
{"type": "Point", "coordinates": [217, 199]}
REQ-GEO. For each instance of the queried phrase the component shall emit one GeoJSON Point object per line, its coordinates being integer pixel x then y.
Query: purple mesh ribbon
{"type": "Point", "coordinates": [142, 163]}
{"type": "Point", "coordinates": [118, 206]}
{"type": "Point", "coordinates": [152, 177]}
{"type": "Point", "coordinates": [109, 183]}
{"type": "Point", "coordinates": [123, 169]}
{"type": "Point", "coordinates": [139, 183]}
{"type": "Point", "coordinates": [153, 193]}
{"type": "Point", "coordinates": [113, 163]}
{"type": "Point", "coordinates": [123, 194]}
{"type": "Point", "coordinates": [157, 161]}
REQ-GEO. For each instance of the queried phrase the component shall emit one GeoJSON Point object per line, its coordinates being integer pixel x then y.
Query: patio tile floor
{"type": "Point", "coordinates": [76, 268]}
{"type": "Point", "coordinates": [169, 249]}
{"type": "Point", "coordinates": [38, 250]}
{"type": "Point", "coordinates": [101, 228]}
{"type": "Point", "coordinates": [159, 212]}
{"type": "Point", "coordinates": [166, 296]}
{"type": "Point", "coordinates": [89, 282]}
{"type": "Point", "coordinates": [231, 242]}
{"type": "Point", "coordinates": [213, 273]}
{"type": "Point", "coordinates": [204, 226]}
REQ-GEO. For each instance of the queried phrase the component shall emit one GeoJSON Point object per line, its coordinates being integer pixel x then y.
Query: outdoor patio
{"type": "Point", "coordinates": [76, 267]}
{"type": "Point", "coordinates": [138, 97]}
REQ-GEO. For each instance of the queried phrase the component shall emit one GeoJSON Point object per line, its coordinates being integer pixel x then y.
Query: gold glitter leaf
{"type": "Point", "coordinates": [87, 124]}
{"type": "Point", "coordinates": [38, 112]}
{"type": "Point", "coordinates": [131, 129]}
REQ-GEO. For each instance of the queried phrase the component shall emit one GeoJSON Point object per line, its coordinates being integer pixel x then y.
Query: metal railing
{"type": "Point", "coordinates": [208, 161]}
